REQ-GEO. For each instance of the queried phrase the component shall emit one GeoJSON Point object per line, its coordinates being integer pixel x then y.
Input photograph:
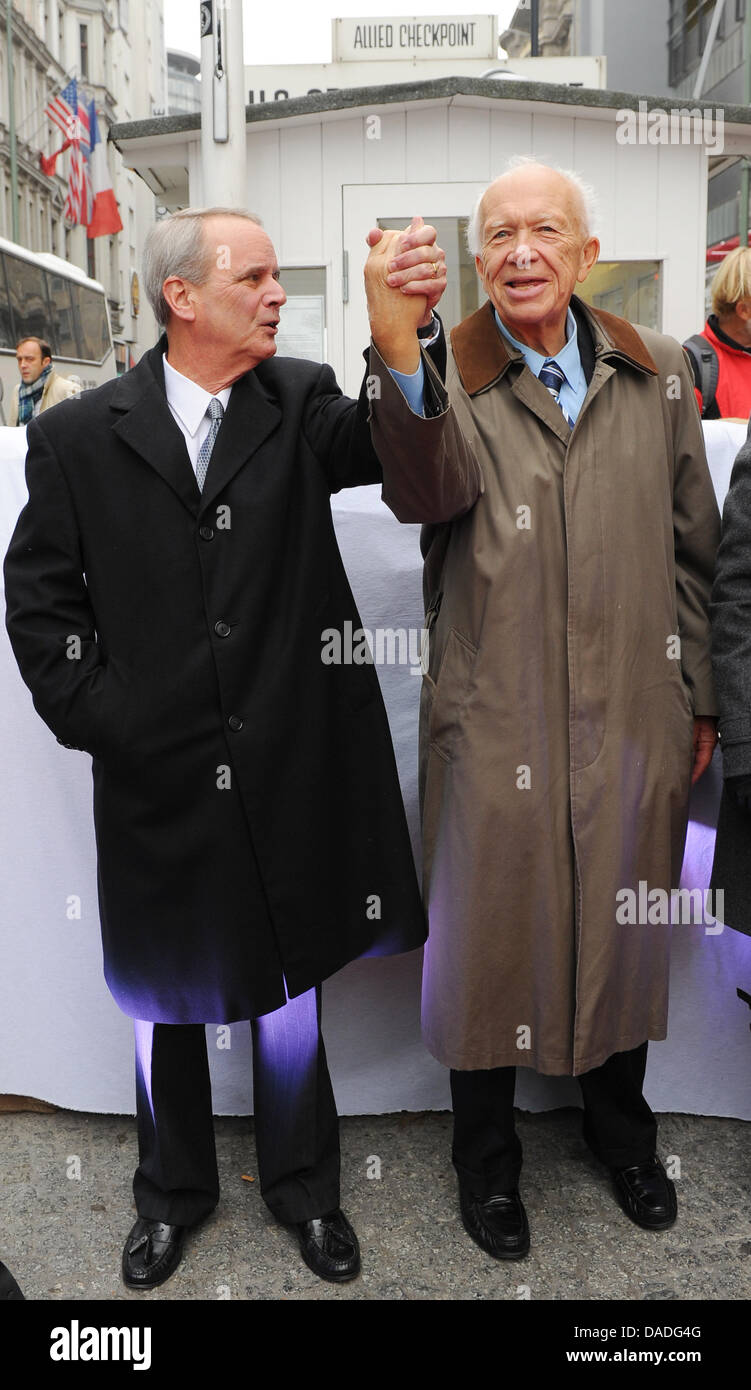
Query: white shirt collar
{"type": "Point", "coordinates": [189, 400]}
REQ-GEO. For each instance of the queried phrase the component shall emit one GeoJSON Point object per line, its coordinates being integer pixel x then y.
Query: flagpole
{"type": "Point", "coordinates": [12, 123]}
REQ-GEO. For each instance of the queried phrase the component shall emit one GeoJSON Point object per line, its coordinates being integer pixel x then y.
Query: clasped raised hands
{"type": "Point", "coordinates": [405, 276]}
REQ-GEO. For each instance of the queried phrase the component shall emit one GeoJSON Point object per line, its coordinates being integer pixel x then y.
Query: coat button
{"type": "Point", "coordinates": [206, 533]}
{"type": "Point", "coordinates": [235, 723]}
{"type": "Point", "coordinates": [222, 629]}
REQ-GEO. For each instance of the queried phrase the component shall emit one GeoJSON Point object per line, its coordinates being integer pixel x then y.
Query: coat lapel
{"type": "Point", "coordinates": [145, 423]}
{"type": "Point", "coordinates": [251, 416]}
{"type": "Point", "coordinates": [482, 354]}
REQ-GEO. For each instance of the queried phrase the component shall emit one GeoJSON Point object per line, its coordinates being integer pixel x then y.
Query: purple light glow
{"type": "Point", "coordinates": [288, 1039]}
{"type": "Point", "coordinates": [144, 1039]}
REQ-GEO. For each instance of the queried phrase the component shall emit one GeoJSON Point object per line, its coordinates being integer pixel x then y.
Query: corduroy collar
{"type": "Point", "coordinates": [482, 354]}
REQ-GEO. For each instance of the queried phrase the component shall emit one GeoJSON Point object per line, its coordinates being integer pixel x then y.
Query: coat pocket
{"type": "Point", "coordinates": [450, 692]}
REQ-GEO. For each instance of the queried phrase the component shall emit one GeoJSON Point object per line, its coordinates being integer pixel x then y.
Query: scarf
{"type": "Point", "coordinates": [30, 396]}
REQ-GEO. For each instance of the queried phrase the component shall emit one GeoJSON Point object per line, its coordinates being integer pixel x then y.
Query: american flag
{"type": "Point", "coordinates": [79, 203]}
{"type": "Point", "coordinates": [62, 109]}
{"type": "Point", "coordinates": [83, 132]}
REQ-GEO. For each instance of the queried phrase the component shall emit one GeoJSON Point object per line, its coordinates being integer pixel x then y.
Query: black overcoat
{"type": "Point", "coordinates": [731, 665]}
{"type": "Point", "coordinates": [248, 817]}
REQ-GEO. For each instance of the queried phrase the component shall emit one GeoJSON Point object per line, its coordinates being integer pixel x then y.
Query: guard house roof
{"type": "Point", "coordinates": [158, 148]}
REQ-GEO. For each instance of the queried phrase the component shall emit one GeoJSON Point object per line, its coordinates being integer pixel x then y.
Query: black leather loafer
{"type": "Point", "coordinates": [9, 1290]}
{"type": "Point", "coordinates": [498, 1224]}
{"type": "Point", "coordinates": [152, 1253]}
{"type": "Point", "coordinates": [646, 1194]}
{"type": "Point", "coordinates": [329, 1247]}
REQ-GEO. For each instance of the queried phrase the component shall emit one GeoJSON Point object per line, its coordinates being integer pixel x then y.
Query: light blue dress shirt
{"type": "Point", "coordinates": [574, 388]}
{"type": "Point", "coordinates": [412, 386]}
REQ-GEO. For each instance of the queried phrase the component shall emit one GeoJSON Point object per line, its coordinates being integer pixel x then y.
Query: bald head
{"type": "Point", "coordinates": [529, 175]}
{"type": "Point", "coordinates": [532, 246]}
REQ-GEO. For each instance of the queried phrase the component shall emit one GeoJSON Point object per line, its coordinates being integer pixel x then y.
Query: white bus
{"type": "Point", "coordinates": [47, 298]}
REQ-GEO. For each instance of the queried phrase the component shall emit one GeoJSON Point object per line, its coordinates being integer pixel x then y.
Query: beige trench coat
{"type": "Point", "coordinates": [556, 718]}
{"type": "Point", "coordinates": [56, 389]}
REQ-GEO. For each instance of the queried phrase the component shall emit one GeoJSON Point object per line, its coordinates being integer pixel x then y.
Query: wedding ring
{"type": "Point", "coordinates": [435, 269]}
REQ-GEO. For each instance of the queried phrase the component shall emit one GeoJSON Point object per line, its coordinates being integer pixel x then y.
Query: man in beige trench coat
{"type": "Point", "coordinates": [569, 700]}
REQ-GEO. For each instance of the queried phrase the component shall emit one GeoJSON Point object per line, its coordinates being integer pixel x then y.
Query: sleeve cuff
{"type": "Point", "coordinates": [412, 387]}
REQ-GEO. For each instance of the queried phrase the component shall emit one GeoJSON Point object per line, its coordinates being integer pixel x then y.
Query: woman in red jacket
{"type": "Point", "coordinates": [726, 363]}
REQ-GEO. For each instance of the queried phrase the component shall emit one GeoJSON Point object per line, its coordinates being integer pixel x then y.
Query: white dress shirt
{"type": "Point", "coordinates": [189, 402]}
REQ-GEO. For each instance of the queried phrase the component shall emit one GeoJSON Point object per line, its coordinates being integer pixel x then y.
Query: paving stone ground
{"type": "Point", "coordinates": [62, 1235]}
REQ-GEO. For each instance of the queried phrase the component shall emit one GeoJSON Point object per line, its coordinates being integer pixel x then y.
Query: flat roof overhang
{"type": "Point", "coordinates": [159, 149]}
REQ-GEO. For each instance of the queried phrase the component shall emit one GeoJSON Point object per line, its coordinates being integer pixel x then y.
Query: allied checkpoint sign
{"type": "Point", "coordinates": [370, 52]}
{"type": "Point", "coordinates": [419, 36]}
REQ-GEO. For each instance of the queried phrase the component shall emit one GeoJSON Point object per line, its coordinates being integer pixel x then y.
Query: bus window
{"type": "Point", "coordinates": [63, 320]}
{"type": "Point", "coordinates": [93, 328]}
{"type": "Point", "coordinates": [28, 300]}
{"type": "Point", "coordinates": [7, 340]}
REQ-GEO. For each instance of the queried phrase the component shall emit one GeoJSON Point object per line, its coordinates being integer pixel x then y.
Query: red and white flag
{"type": "Point", "coordinates": [105, 218]}
{"type": "Point", "coordinates": [47, 162]}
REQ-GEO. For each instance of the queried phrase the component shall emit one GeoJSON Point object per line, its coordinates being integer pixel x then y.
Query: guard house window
{"type": "Point", "coordinates": [302, 330]}
{"type": "Point", "coordinates": [83, 30]}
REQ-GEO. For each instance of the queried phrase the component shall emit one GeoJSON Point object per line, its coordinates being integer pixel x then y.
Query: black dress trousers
{"type": "Point", "coordinates": [296, 1124]}
{"type": "Point", "coordinates": [618, 1125]}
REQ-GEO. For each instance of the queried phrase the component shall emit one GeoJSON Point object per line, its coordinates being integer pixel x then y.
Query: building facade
{"type": "Point", "coordinates": [555, 21]}
{"type": "Point", "coordinates": [116, 52]}
{"type": "Point", "coordinates": [655, 47]}
{"type": "Point", "coordinates": [183, 82]}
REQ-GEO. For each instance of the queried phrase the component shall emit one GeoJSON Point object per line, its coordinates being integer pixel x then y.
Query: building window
{"type": "Point", "coordinates": [688, 30]}
{"type": "Point", "coordinates": [83, 31]}
{"type": "Point", "coordinates": [740, 9]}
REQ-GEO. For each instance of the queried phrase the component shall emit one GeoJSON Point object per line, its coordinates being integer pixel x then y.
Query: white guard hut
{"type": "Point", "coordinates": [323, 169]}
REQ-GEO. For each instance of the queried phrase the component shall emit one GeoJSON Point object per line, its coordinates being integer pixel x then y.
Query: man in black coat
{"type": "Point", "coordinates": [168, 584]}
{"type": "Point", "coordinates": [731, 667]}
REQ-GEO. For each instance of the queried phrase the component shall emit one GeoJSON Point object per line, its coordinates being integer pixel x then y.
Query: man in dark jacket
{"type": "Point", "coordinates": [731, 665]}
{"type": "Point", "coordinates": [167, 586]}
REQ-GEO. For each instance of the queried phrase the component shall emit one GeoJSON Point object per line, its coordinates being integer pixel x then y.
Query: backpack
{"type": "Point", "coordinates": [706, 369]}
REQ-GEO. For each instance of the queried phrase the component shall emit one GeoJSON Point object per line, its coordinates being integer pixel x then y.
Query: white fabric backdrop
{"type": "Point", "coordinates": [63, 1039]}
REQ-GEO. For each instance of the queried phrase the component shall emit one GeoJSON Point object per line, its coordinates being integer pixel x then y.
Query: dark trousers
{"type": "Point", "coordinates": [296, 1125]}
{"type": "Point", "coordinates": [618, 1125]}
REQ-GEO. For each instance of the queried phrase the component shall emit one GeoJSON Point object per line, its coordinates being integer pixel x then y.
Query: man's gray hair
{"type": "Point", "coordinates": [177, 245]}
{"type": "Point", "coordinates": [589, 203]}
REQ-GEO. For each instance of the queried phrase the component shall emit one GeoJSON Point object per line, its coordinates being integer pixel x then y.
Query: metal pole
{"type": "Point", "coordinates": [12, 123]}
{"type": "Point", "coordinates": [223, 138]}
{"type": "Point", "coordinates": [709, 45]}
{"type": "Point", "coordinates": [743, 213]}
{"type": "Point", "coordinates": [534, 28]}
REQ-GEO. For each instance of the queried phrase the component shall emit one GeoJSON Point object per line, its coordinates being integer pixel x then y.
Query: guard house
{"type": "Point", "coordinates": [323, 169]}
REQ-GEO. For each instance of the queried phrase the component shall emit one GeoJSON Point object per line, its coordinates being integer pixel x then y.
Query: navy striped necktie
{"type": "Point", "coordinates": [553, 378]}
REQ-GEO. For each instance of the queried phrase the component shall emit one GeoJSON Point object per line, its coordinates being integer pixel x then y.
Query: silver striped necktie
{"type": "Point", "coordinates": [216, 411]}
{"type": "Point", "coordinates": [553, 378]}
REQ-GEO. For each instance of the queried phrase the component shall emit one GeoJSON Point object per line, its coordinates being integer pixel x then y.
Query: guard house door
{"type": "Point", "coordinates": [447, 206]}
